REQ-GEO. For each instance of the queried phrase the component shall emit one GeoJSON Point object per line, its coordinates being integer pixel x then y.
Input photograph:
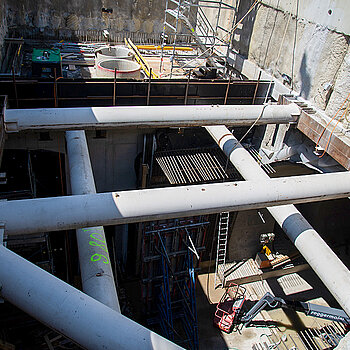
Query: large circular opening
{"type": "Point", "coordinates": [124, 68]}
{"type": "Point", "coordinates": [118, 52]}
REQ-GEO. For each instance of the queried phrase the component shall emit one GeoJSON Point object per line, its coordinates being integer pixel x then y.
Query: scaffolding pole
{"type": "Point", "coordinates": [113, 208]}
{"type": "Point", "coordinates": [332, 272]}
{"type": "Point", "coordinates": [96, 274]}
{"type": "Point", "coordinates": [70, 312]}
{"type": "Point", "coordinates": [146, 116]}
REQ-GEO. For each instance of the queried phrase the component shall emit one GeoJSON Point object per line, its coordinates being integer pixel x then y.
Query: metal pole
{"type": "Point", "coordinates": [14, 84]}
{"type": "Point", "coordinates": [227, 89]}
{"type": "Point", "coordinates": [332, 272]}
{"type": "Point", "coordinates": [187, 86]}
{"type": "Point", "coordinates": [146, 116]}
{"type": "Point", "coordinates": [70, 212]}
{"type": "Point", "coordinates": [149, 87]}
{"type": "Point", "coordinates": [70, 312]}
{"type": "Point", "coordinates": [256, 88]}
{"type": "Point", "coordinates": [114, 86]}
{"type": "Point", "coordinates": [55, 88]}
{"type": "Point", "coordinates": [96, 274]}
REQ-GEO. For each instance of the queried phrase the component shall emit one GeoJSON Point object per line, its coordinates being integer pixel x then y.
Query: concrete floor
{"type": "Point", "coordinates": [210, 337]}
{"type": "Point", "coordinates": [287, 324]}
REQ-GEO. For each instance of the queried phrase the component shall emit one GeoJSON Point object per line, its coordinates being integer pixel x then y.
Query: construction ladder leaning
{"type": "Point", "coordinates": [219, 280]}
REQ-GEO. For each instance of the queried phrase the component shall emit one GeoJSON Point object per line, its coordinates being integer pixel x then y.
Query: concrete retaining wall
{"type": "Point", "coordinates": [46, 17]}
{"type": "Point", "coordinates": [314, 54]}
{"type": "Point", "coordinates": [3, 27]}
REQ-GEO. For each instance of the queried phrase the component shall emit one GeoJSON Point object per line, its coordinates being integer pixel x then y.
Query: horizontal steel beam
{"type": "Point", "coordinates": [61, 213]}
{"type": "Point", "coordinates": [146, 116]}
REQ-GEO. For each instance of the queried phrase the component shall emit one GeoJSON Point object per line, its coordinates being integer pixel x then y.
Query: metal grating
{"type": "Point", "coordinates": [195, 166]}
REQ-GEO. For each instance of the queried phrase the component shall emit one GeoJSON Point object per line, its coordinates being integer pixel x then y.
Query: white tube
{"type": "Point", "coordinates": [146, 116]}
{"type": "Point", "coordinates": [332, 272]}
{"type": "Point", "coordinates": [70, 312]}
{"type": "Point", "coordinates": [59, 213]}
{"type": "Point", "coordinates": [96, 276]}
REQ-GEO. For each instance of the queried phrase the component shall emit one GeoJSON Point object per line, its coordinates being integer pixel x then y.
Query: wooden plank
{"type": "Point", "coordinates": [336, 143]}
{"type": "Point", "coordinates": [267, 275]}
{"type": "Point", "coordinates": [339, 144]}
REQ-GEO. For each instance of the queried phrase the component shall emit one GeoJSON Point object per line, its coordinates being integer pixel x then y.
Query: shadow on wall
{"type": "Point", "coordinates": [244, 33]}
{"type": "Point", "coordinates": [304, 78]}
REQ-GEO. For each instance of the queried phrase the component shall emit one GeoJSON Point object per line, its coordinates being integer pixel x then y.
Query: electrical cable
{"type": "Point", "coordinates": [295, 42]}
{"type": "Point", "coordinates": [330, 136]}
{"type": "Point", "coordinates": [278, 56]}
{"type": "Point", "coordinates": [335, 115]}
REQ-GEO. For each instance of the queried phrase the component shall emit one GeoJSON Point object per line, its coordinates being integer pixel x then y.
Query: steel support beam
{"type": "Point", "coordinates": [70, 212]}
{"type": "Point", "coordinates": [146, 116]}
{"type": "Point", "coordinates": [70, 312]}
{"type": "Point", "coordinates": [96, 274]}
{"type": "Point", "coordinates": [316, 252]}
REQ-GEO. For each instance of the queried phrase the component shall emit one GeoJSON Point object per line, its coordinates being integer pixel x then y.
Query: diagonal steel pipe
{"type": "Point", "coordinates": [96, 275]}
{"type": "Point", "coordinates": [332, 272]}
{"type": "Point", "coordinates": [68, 311]}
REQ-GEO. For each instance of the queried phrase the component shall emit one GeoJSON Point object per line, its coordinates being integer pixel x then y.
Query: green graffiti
{"type": "Point", "coordinates": [101, 243]}
{"type": "Point", "coordinates": [98, 257]}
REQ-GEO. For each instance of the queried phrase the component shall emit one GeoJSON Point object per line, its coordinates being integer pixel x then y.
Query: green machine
{"type": "Point", "coordinates": [44, 61]}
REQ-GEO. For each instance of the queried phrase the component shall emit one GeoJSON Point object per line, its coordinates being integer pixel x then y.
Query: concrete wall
{"type": "Point", "coordinates": [3, 27]}
{"type": "Point", "coordinates": [244, 239]}
{"type": "Point", "coordinates": [311, 48]}
{"type": "Point", "coordinates": [112, 158]}
{"type": "Point", "coordinates": [48, 16]}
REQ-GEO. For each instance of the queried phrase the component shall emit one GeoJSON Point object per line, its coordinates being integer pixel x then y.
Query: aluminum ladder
{"type": "Point", "coordinates": [219, 280]}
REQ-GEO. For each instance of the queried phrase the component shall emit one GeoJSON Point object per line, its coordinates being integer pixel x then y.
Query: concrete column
{"type": "Point", "coordinates": [59, 213]}
{"type": "Point", "coordinates": [316, 252]}
{"type": "Point", "coordinates": [96, 274]}
{"type": "Point", "coordinates": [146, 116]}
{"type": "Point", "coordinates": [70, 312]}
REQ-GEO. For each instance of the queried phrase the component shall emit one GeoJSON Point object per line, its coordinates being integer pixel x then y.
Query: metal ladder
{"type": "Point", "coordinates": [221, 250]}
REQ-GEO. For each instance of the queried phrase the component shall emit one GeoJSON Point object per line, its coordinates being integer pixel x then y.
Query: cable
{"type": "Point", "coordinates": [325, 128]}
{"type": "Point", "coordinates": [278, 56]}
{"type": "Point", "coordinates": [295, 41]}
{"type": "Point", "coordinates": [330, 136]}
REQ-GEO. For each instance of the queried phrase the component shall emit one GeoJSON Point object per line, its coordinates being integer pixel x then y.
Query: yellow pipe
{"type": "Point", "coordinates": [140, 59]}
{"type": "Point", "coordinates": [152, 47]}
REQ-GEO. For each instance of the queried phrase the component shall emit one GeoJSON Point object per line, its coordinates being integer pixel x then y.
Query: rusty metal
{"type": "Point", "coordinates": [256, 88]}
{"type": "Point", "coordinates": [187, 87]}
{"type": "Point", "coordinates": [227, 89]}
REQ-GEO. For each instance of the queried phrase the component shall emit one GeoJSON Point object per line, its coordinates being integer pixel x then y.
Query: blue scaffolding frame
{"type": "Point", "coordinates": [175, 288]}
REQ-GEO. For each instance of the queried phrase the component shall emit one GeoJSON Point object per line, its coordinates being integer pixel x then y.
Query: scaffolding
{"type": "Point", "coordinates": [211, 37]}
{"type": "Point", "coordinates": [171, 253]}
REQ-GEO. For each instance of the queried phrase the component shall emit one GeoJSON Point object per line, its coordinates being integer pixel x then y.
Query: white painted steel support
{"type": "Point", "coordinates": [59, 213]}
{"type": "Point", "coordinates": [96, 273]}
{"type": "Point", "coordinates": [70, 312]}
{"type": "Point", "coordinates": [320, 257]}
{"type": "Point", "coordinates": [146, 116]}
